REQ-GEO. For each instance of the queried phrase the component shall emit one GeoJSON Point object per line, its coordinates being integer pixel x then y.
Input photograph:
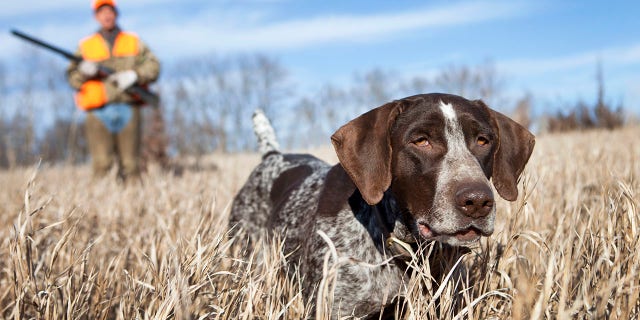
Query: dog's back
{"type": "Point", "coordinates": [281, 194]}
{"type": "Point", "coordinates": [277, 196]}
{"type": "Point", "coordinates": [294, 196]}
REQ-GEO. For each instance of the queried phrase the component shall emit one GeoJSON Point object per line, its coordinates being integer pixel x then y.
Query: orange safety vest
{"type": "Point", "coordinates": [92, 93]}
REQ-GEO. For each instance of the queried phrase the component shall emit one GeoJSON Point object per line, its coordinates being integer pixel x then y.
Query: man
{"type": "Point", "coordinates": [113, 124]}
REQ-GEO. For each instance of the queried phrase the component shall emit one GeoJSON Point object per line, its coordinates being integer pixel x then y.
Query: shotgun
{"type": "Point", "coordinates": [144, 94]}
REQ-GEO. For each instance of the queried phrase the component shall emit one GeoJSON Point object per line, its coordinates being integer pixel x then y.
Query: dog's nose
{"type": "Point", "coordinates": [475, 200]}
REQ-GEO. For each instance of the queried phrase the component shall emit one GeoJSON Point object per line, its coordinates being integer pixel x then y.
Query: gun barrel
{"type": "Point", "coordinates": [43, 44]}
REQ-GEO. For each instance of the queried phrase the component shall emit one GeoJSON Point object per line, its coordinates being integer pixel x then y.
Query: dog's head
{"type": "Point", "coordinates": [436, 154]}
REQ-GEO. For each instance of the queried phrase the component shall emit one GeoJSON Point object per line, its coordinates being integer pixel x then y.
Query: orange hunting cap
{"type": "Point", "coordinates": [99, 3]}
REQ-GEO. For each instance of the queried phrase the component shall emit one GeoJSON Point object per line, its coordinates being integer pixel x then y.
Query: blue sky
{"type": "Point", "coordinates": [546, 48]}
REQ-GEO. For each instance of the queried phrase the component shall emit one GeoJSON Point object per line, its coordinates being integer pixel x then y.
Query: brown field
{"type": "Point", "coordinates": [73, 248]}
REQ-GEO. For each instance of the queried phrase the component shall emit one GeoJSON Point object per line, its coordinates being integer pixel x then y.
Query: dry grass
{"type": "Point", "coordinates": [80, 249]}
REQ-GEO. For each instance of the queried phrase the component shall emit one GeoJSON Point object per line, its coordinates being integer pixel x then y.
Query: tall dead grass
{"type": "Point", "coordinates": [76, 248]}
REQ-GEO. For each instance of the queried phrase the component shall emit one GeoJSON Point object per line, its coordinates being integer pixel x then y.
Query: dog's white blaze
{"type": "Point", "coordinates": [447, 110]}
{"type": "Point", "coordinates": [453, 133]}
{"type": "Point", "coordinates": [458, 164]}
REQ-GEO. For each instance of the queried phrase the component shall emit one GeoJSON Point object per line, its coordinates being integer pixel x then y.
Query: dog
{"type": "Point", "coordinates": [414, 170]}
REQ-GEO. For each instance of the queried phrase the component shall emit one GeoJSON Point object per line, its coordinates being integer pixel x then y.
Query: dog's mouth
{"type": "Point", "coordinates": [463, 237]}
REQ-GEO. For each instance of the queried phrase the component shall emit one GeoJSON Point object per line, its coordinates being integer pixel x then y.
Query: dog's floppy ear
{"type": "Point", "coordinates": [515, 145]}
{"type": "Point", "coordinates": [364, 150]}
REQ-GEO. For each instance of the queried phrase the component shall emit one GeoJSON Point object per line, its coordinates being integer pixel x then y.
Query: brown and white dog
{"type": "Point", "coordinates": [416, 169]}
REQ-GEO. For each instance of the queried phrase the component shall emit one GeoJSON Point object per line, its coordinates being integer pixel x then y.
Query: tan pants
{"type": "Point", "coordinates": [105, 147]}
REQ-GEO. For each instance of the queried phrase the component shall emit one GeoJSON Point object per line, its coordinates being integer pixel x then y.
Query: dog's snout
{"type": "Point", "coordinates": [475, 200]}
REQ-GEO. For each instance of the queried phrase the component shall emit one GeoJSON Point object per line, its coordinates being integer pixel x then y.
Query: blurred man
{"type": "Point", "coordinates": [113, 124]}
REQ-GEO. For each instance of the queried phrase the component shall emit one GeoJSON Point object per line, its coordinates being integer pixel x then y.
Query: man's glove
{"type": "Point", "coordinates": [123, 79]}
{"type": "Point", "coordinates": [88, 68]}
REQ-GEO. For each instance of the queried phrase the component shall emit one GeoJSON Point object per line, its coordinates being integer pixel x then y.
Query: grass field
{"type": "Point", "coordinates": [75, 248]}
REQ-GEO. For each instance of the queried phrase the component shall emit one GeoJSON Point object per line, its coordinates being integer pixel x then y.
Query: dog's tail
{"type": "Point", "coordinates": [267, 141]}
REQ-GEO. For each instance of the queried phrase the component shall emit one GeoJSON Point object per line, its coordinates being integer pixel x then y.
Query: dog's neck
{"type": "Point", "coordinates": [385, 224]}
{"type": "Point", "coordinates": [384, 221]}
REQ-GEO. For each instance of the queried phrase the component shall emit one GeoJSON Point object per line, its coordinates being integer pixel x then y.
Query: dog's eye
{"type": "Point", "coordinates": [421, 142]}
{"type": "Point", "coordinates": [482, 141]}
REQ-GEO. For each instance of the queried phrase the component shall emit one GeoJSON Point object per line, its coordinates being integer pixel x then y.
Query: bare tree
{"type": "Point", "coordinates": [193, 108]}
{"type": "Point", "coordinates": [581, 116]}
{"type": "Point", "coordinates": [373, 89]}
{"type": "Point", "coordinates": [271, 83]}
{"type": "Point", "coordinates": [213, 99]}
{"type": "Point", "coordinates": [416, 85]}
{"type": "Point", "coordinates": [522, 111]}
{"type": "Point", "coordinates": [262, 83]}
{"type": "Point", "coordinates": [606, 116]}
{"type": "Point", "coordinates": [316, 117]}
{"type": "Point", "coordinates": [489, 83]}
{"type": "Point", "coordinates": [62, 141]}
{"type": "Point", "coordinates": [480, 82]}
{"type": "Point", "coordinates": [308, 127]}
{"type": "Point", "coordinates": [4, 130]}
{"type": "Point", "coordinates": [456, 79]}
{"type": "Point", "coordinates": [24, 120]}
{"type": "Point", "coordinates": [331, 101]}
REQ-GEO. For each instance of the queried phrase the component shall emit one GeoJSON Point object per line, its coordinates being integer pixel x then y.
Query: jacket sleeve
{"type": "Point", "coordinates": [147, 65]}
{"type": "Point", "coordinates": [74, 77]}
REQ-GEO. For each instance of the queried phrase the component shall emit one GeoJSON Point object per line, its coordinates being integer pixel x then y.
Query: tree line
{"type": "Point", "coordinates": [584, 116]}
{"type": "Point", "coordinates": [207, 101]}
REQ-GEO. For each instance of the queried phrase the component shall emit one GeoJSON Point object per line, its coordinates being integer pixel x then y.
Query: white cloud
{"type": "Point", "coordinates": [225, 28]}
{"type": "Point", "coordinates": [31, 7]}
{"type": "Point", "coordinates": [14, 8]}
{"type": "Point", "coordinates": [614, 56]}
{"type": "Point", "coordinates": [573, 76]}
{"type": "Point", "coordinates": [209, 31]}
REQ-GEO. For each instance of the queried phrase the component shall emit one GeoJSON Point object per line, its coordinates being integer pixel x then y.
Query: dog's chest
{"type": "Point", "coordinates": [366, 276]}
